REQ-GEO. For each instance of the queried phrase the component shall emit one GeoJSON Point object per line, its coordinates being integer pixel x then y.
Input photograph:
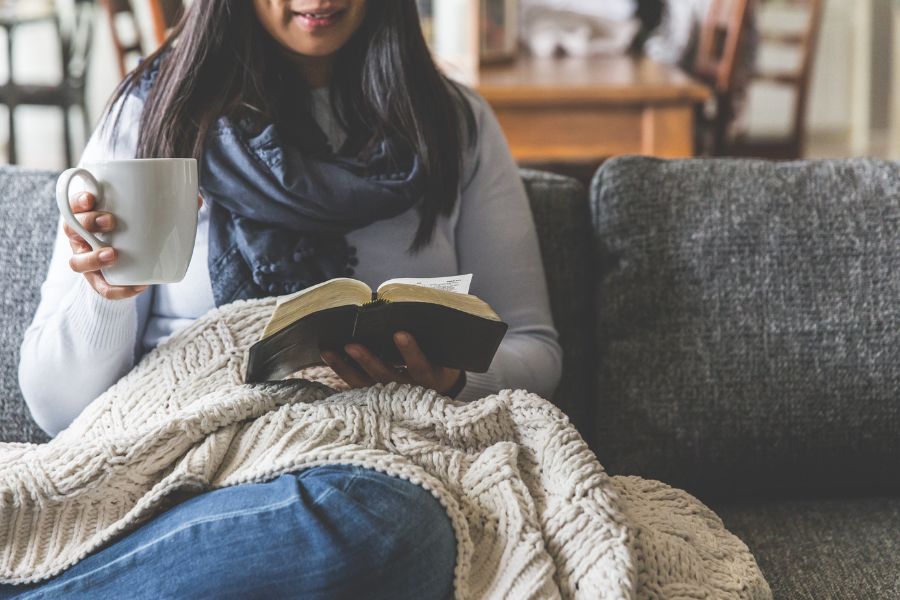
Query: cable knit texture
{"type": "Point", "coordinates": [534, 513]}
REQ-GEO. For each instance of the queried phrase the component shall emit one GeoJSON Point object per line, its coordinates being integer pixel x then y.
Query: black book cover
{"type": "Point", "coordinates": [448, 337]}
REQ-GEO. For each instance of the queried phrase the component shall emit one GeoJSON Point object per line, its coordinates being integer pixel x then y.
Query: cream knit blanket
{"type": "Point", "coordinates": [534, 513]}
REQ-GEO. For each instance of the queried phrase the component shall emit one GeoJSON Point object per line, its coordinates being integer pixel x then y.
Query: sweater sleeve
{"type": "Point", "coordinates": [79, 343]}
{"type": "Point", "coordinates": [497, 242]}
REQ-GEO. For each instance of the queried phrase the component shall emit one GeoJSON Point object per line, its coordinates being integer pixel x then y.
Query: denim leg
{"type": "Point", "coordinates": [324, 532]}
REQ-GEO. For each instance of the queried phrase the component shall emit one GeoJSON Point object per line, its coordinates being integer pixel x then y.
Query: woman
{"type": "Point", "coordinates": [329, 144]}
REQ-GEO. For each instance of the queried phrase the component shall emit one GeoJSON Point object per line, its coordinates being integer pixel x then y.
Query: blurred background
{"type": "Point", "coordinates": [572, 81]}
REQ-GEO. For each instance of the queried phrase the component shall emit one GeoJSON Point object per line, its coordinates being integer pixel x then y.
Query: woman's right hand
{"type": "Point", "coordinates": [87, 261]}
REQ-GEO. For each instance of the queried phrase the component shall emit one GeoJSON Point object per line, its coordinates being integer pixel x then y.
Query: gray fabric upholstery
{"type": "Point", "coordinates": [748, 315]}
{"type": "Point", "coordinates": [818, 549]}
{"type": "Point", "coordinates": [562, 220]}
{"type": "Point", "coordinates": [749, 323]}
{"type": "Point", "coordinates": [26, 242]}
{"type": "Point", "coordinates": [561, 215]}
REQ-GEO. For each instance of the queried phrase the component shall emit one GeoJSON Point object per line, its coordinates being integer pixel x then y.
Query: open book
{"type": "Point", "coordinates": [453, 329]}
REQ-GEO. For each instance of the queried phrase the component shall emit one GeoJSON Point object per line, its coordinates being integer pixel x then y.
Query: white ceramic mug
{"type": "Point", "coordinates": [154, 201]}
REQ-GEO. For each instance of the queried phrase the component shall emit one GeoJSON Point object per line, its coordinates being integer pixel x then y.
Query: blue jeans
{"type": "Point", "coordinates": [323, 532]}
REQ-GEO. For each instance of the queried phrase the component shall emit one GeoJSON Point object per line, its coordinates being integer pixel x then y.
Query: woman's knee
{"type": "Point", "coordinates": [386, 536]}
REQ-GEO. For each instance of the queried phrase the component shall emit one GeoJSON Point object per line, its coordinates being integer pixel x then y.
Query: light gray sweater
{"type": "Point", "coordinates": [80, 343]}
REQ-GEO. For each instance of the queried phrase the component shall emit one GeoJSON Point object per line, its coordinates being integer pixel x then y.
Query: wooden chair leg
{"type": "Point", "coordinates": [86, 120]}
{"type": "Point", "coordinates": [81, 104]}
{"type": "Point", "coordinates": [67, 134]}
{"type": "Point", "coordinates": [701, 130]}
{"type": "Point", "coordinates": [12, 156]}
{"type": "Point", "coordinates": [722, 124]}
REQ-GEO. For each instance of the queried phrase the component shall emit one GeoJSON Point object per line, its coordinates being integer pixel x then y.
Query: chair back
{"type": "Point", "coordinates": [126, 32]}
{"type": "Point", "coordinates": [166, 14]}
{"type": "Point", "coordinates": [720, 41]}
{"type": "Point", "coordinates": [76, 42]}
{"type": "Point", "coordinates": [805, 42]}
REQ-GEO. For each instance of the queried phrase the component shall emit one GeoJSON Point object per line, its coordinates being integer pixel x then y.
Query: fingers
{"type": "Point", "coordinates": [89, 264]}
{"type": "Point", "coordinates": [82, 202]}
{"type": "Point", "coordinates": [351, 375]}
{"type": "Point", "coordinates": [93, 221]}
{"type": "Point", "coordinates": [94, 260]}
{"type": "Point", "coordinates": [86, 260]}
{"type": "Point", "coordinates": [372, 369]}
{"type": "Point", "coordinates": [112, 292]}
{"type": "Point", "coordinates": [420, 369]}
{"type": "Point", "coordinates": [418, 366]}
{"type": "Point", "coordinates": [78, 245]}
{"type": "Point", "coordinates": [372, 365]}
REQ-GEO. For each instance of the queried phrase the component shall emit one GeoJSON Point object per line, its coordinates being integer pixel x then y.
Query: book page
{"type": "Point", "coordinates": [455, 283]}
{"type": "Point", "coordinates": [331, 282]}
{"type": "Point", "coordinates": [330, 294]}
{"type": "Point", "coordinates": [404, 292]}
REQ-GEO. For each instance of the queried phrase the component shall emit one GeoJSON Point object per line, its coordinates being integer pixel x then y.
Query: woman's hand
{"type": "Point", "coordinates": [418, 371]}
{"type": "Point", "coordinates": [88, 261]}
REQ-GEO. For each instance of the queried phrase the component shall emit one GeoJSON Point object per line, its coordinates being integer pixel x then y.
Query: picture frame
{"type": "Point", "coordinates": [451, 30]}
{"type": "Point", "coordinates": [498, 30]}
{"type": "Point", "coordinates": [464, 34]}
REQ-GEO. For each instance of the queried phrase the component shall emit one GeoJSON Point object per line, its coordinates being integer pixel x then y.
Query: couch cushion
{"type": "Point", "coordinates": [26, 243]}
{"type": "Point", "coordinates": [814, 549]}
{"type": "Point", "coordinates": [562, 220]}
{"type": "Point", "coordinates": [749, 323]}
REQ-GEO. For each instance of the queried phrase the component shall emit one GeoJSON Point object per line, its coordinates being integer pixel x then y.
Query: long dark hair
{"type": "Point", "coordinates": [219, 61]}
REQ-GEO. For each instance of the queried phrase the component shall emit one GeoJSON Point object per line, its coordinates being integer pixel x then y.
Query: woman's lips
{"type": "Point", "coordinates": [315, 21]}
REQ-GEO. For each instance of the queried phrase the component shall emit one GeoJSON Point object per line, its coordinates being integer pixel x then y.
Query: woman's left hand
{"type": "Point", "coordinates": [418, 371]}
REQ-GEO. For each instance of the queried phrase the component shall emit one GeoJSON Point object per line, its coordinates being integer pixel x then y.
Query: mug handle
{"type": "Point", "coordinates": [62, 202]}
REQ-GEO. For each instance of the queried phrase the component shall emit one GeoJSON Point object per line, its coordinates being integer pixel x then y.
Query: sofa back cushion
{"type": "Point", "coordinates": [749, 323]}
{"type": "Point", "coordinates": [26, 243]}
{"type": "Point", "coordinates": [562, 218]}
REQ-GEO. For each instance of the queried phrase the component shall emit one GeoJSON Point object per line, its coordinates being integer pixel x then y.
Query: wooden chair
{"type": "Point", "coordinates": [166, 14]}
{"type": "Point", "coordinates": [128, 44]}
{"type": "Point", "coordinates": [76, 40]}
{"type": "Point", "coordinates": [719, 52]}
{"type": "Point", "coordinates": [790, 146]}
{"type": "Point", "coordinates": [126, 31]}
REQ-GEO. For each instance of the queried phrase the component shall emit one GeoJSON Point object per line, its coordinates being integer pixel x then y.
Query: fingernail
{"type": "Point", "coordinates": [353, 351]}
{"type": "Point", "coordinates": [107, 255]}
{"type": "Point", "coordinates": [84, 201]}
{"type": "Point", "coordinates": [104, 221]}
{"type": "Point", "coordinates": [403, 339]}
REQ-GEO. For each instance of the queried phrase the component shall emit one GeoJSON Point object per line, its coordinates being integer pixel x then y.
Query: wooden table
{"type": "Point", "coordinates": [587, 110]}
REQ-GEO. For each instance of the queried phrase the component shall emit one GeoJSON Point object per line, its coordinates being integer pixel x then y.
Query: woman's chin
{"type": "Point", "coordinates": [315, 44]}
{"type": "Point", "coordinates": [314, 50]}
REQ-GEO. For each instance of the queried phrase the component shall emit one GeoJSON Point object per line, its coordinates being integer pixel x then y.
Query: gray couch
{"type": "Point", "coordinates": [729, 327]}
